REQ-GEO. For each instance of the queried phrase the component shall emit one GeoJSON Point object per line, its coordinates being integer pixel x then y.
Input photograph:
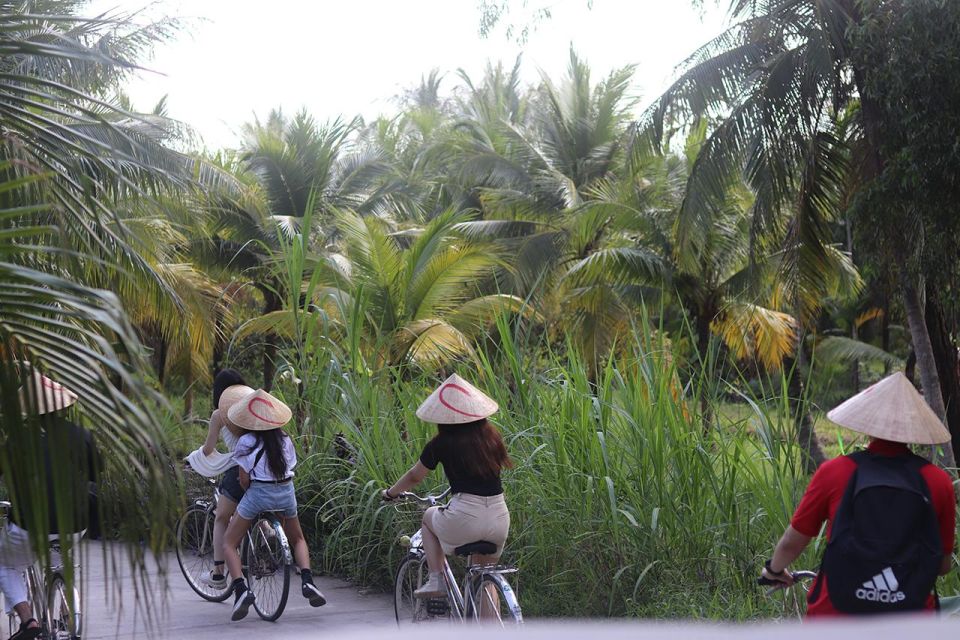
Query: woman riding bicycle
{"type": "Point", "coordinates": [472, 454]}
{"type": "Point", "coordinates": [228, 388]}
{"type": "Point", "coordinates": [266, 458]}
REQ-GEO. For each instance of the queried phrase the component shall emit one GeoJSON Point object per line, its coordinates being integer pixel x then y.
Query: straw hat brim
{"type": "Point", "coordinates": [232, 395]}
{"type": "Point", "coordinates": [893, 410]}
{"type": "Point", "coordinates": [259, 411]}
{"type": "Point", "coordinates": [456, 401]}
{"type": "Point", "coordinates": [48, 396]}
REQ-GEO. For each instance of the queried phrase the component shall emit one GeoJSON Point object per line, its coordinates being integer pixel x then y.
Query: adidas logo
{"type": "Point", "coordinates": [882, 588]}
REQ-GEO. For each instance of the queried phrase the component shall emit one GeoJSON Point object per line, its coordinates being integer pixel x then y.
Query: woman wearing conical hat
{"type": "Point", "coordinates": [472, 454]}
{"type": "Point", "coordinates": [894, 415]}
{"type": "Point", "coordinates": [228, 389]}
{"type": "Point", "coordinates": [266, 458]}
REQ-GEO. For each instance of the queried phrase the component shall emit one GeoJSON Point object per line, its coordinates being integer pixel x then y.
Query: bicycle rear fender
{"type": "Point", "coordinates": [510, 596]}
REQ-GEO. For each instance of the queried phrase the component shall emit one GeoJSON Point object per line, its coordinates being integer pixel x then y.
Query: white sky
{"type": "Point", "coordinates": [244, 57]}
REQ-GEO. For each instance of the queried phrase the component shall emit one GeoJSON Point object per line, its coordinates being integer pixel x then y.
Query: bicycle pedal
{"type": "Point", "coordinates": [438, 606]}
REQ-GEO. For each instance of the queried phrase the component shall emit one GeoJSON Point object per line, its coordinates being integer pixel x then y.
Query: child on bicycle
{"type": "Point", "coordinates": [472, 454]}
{"type": "Point", "coordinates": [266, 458]}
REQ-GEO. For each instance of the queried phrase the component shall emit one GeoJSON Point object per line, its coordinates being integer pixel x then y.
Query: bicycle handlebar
{"type": "Point", "coordinates": [798, 576]}
{"type": "Point", "coordinates": [427, 500]}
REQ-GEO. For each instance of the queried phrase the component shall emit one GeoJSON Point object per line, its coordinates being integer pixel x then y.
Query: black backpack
{"type": "Point", "coordinates": [884, 551]}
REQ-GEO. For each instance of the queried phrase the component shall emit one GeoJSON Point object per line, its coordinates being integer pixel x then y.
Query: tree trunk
{"type": "Point", "coordinates": [885, 333]}
{"type": "Point", "coordinates": [219, 343]}
{"type": "Point", "coordinates": [813, 455]}
{"type": "Point", "coordinates": [188, 396]}
{"type": "Point", "coordinates": [945, 354]}
{"type": "Point", "coordinates": [704, 317]}
{"type": "Point", "coordinates": [926, 362]}
{"type": "Point", "coordinates": [271, 303]}
{"type": "Point", "coordinates": [855, 368]}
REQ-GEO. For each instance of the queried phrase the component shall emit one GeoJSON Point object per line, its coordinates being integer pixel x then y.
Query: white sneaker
{"type": "Point", "coordinates": [434, 587]}
{"type": "Point", "coordinates": [207, 579]}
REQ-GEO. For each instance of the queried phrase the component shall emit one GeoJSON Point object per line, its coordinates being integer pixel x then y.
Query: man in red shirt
{"type": "Point", "coordinates": [893, 414]}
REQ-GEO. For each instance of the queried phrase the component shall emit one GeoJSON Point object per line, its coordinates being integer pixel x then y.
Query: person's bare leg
{"type": "Point", "coordinates": [431, 543]}
{"type": "Point", "coordinates": [225, 510]}
{"type": "Point", "coordinates": [298, 543]}
{"type": "Point", "coordinates": [231, 541]}
{"type": "Point", "coordinates": [301, 555]}
{"type": "Point", "coordinates": [25, 612]}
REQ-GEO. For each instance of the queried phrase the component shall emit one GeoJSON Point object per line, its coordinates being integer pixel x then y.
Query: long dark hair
{"type": "Point", "coordinates": [476, 446]}
{"type": "Point", "coordinates": [225, 378]}
{"type": "Point", "coordinates": [272, 441]}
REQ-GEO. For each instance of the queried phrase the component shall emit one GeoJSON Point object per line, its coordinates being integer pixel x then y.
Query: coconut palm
{"type": "Point", "coordinates": [289, 169]}
{"type": "Point", "coordinates": [418, 292]}
{"type": "Point", "coordinates": [66, 155]}
{"type": "Point", "coordinates": [780, 75]}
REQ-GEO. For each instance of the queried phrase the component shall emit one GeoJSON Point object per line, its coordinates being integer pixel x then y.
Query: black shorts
{"type": "Point", "coordinates": [230, 484]}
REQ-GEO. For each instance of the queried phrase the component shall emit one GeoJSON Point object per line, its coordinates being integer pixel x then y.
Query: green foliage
{"type": "Point", "coordinates": [618, 496]}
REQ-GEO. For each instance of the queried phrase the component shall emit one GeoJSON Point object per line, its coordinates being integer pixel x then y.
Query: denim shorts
{"type": "Point", "coordinates": [230, 484]}
{"type": "Point", "coordinates": [266, 496]}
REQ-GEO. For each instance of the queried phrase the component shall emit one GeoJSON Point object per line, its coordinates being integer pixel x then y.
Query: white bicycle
{"type": "Point", "coordinates": [486, 594]}
{"type": "Point", "coordinates": [55, 602]}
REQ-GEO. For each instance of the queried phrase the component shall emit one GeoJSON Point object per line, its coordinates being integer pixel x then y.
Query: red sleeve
{"type": "Point", "coordinates": [944, 503]}
{"type": "Point", "coordinates": [822, 496]}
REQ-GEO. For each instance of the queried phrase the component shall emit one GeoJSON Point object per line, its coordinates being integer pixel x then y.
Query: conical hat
{"type": "Point", "coordinates": [49, 395]}
{"type": "Point", "coordinates": [892, 409]}
{"type": "Point", "coordinates": [456, 401]}
{"type": "Point", "coordinates": [231, 396]}
{"type": "Point", "coordinates": [259, 411]}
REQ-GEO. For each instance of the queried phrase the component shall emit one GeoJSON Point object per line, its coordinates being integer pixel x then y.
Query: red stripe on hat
{"type": "Point", "coordinates": [450, 406]}
{"type": "Point", "coordinates": [49, 384]}
{"type": "Point", "coordinates": [257, 415]}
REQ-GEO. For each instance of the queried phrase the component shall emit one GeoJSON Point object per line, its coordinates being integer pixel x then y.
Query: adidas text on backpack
{"type": "Point", "coordinates": [884, 551]}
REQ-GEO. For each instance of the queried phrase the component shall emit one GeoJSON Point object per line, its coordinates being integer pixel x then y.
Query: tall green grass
{"type": "Point", "coordinates": [621, 503]}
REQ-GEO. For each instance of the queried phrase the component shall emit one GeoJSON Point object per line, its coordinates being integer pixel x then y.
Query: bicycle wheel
{"type": "Point", "coordinates": [195, 552]}
{"type": "Point", "coordinates": [410, 575]}
{"type": "Point", "coordinates": [496, 600]}
{"type": "Point", "coordinates": [268, 568]}
{"type": "Point", "coordinates": [63, 609]}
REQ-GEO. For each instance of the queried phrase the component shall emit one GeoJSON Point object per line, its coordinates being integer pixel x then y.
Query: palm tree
{"type": "Point", "coordinates": [782, 76]}
{"type": "Point", "coordinates": [66, 153]}
{"type": "Point", "coordinates": [416, 293]}
{"type": "Point", "coordinates": [297, 168]}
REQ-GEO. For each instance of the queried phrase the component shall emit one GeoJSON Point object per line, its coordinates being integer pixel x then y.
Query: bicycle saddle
{"type": "Point", "coordinates": [481, 547]}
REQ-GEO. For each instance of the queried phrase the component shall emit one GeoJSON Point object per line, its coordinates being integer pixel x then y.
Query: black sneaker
{"type": "Point", "coordinates": [242, 605]}
{"type": "Point", "coordinates": [26, 632]}
{"type": "Point", "coordinates": [313, 594]}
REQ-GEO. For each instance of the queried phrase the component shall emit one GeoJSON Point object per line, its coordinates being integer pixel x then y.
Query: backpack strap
{"type": "Point", "coordinates": [857, 457]}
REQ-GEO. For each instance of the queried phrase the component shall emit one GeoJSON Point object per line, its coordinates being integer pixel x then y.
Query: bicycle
{"type": "Point", "coordinates": [486, 593]}
{"type": "Point", "coordinates": [55, 603]}
{"type": "Point", "coordinates": [265, 554]}
{"type": "Point", "coordinates": [949, 606]}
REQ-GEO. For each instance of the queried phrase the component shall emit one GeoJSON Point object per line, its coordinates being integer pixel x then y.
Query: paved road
{"type": "Point", "coordinates": [182, 614]}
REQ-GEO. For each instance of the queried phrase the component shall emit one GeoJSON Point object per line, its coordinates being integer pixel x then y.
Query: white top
{"type": "Point", "coordinates": [246, 454]}
{"type": "Point", "coordinates": [229, 438]}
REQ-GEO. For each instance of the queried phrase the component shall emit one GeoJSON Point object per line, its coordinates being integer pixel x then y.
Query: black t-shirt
{"type": "Point", "coordinates": [437, 452]}
{"type": "Point", "coordinates": [70, 457]}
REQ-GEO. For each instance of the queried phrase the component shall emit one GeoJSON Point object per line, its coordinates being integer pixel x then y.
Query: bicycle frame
{"type": "Point", "coordinates": [39, 581]}
{"type": "Point", "coordinates": [474, 573]}
{"type": "Point", "coordinates": [248, 537]}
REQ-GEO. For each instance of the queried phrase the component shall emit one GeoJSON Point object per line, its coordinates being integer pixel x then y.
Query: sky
{"type": "Point", "coordinates": [241, 58]}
